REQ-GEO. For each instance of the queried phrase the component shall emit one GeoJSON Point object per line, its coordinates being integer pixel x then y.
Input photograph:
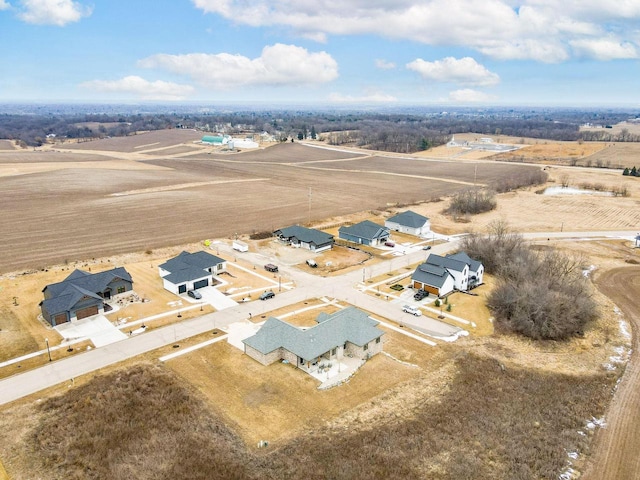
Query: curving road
{"type": "Point", "coordinates": [615, 449]}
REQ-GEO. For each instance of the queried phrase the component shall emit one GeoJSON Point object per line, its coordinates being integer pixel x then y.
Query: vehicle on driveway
{"type": "Point", "coordinates": [428, 247]}
{"type": "Point", "coordinates": [412, 310]}
{"type": "Point", "coordinates": [420, 294]}
{"type": "Point", "coordinates": [389, 244]}
{"type": "Point", "coordinates": [267, 295]}
{"type": "Point", "coordinates": [312, 263]}
{"type": "Point", "coordinates": [195, 294]}
{"type": "Point", "coordinates": [270, 267]}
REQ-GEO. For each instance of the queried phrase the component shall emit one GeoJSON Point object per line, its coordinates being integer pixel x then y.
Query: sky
{"type": "Point", "coordinates": [324, 52]}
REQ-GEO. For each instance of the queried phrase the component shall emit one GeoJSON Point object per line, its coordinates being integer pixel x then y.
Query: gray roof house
{"type": "Point", "coordinates": [82, 294]}
{"type": "Point", "coordinates": [441, 275]}
{"type": "Point", "coordinates": [364, 233]}
{"type": "Point", "coordinates": [309, 238]}
{"type": "Point", "coordinates": [348, 332]}
{"type": "Point", "coordinates": [190, 271]}
{"type": "Point", "coordinates": [409, 222]}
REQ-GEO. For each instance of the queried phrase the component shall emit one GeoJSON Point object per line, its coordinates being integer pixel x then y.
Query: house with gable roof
{"type": "Point", "coordinates": [442, 275]}
{"type": "Point", "coordinates": [409, 222]}
{"type": "Point", "coordinates": [191, 271]}
{"type": "Point", "coordinates": [348, 332]}
{"type": "Point", "coordinates": [364, 233]}
{"type": "Point", "coordinates": [82, 294]}
{"type": "Point", "coordinates": [302, 237]}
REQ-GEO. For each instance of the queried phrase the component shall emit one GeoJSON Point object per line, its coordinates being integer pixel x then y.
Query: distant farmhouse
{"type": "Point", "coordinates": [82, 294]}
{"type": "Point", "coordinates": [442, 275]}
{"type": "Point", "coordinates": [409, 222]}
{"type": "Point", "coordinates": [191, 271]}
{"type": "Point", "coordinates": [348, 332]}
{"type": "Point", "coordinates": [302, 237]}
{"type": "Point", "coordinates": [365, 233]}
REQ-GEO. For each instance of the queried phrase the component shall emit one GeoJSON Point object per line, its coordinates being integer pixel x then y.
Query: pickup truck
{"type": "Point", "coordinates": [412, 310]}
{"type": "Point", "coordinates": [270, 267]}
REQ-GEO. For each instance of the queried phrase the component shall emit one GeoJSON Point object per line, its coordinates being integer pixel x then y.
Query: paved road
{"type": "Point", "coordinates": [308, 286]}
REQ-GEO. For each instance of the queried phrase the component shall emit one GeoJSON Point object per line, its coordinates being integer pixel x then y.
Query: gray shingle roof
{"type": "Point", "coordinates": [66, 300]}
{"type": "Point", "coordinates": [93, 282]}
{"type": "Point", "coordinates": [190, 266]}
{"type": "Point", "coordinates": [463, 257]}
{"type": "Point", "coordinates": [446, 262]}
{"type": "Point", "coordinates": [306, 235]}
{"type": "Point", "coordinates": [366, 229]}
{"type": "Point", "coordinates": [409, 219]}
{"type": "Point", "coordinates": [432, 275]}
{"type": "Point", "coordinates": [348, 325]}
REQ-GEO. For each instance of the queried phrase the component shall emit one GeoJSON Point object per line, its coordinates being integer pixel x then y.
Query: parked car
{"type": "Point", "coordinates": [312, 263]}
{"type": "Point", "coordinates": [428, 247]}
{"type": "Point", "coordinates": [270, 267]}
{"type": "Point", "coordinates": [389, 244]}
{"type": "Point", "coordinates": [267, 295]}
{"type": "Point", "coordinates": [420, 294]}
{"type": "Point", "coordinates": [195, 294]}
{"type": "Point", "coordinates": [412, 310]}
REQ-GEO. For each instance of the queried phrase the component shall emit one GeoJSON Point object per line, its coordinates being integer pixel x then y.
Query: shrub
{"type": "Point", "coordinates": [472, 201]}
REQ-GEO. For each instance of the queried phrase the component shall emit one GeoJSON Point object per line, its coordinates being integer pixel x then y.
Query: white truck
{"type": "Point", "coordinates": [240, 246]}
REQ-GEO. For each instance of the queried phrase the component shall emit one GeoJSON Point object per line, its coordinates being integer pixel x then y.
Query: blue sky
{"type": "Point", "coordinates": [343, 52]}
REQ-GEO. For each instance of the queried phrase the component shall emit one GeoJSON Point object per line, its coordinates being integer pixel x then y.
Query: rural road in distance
{"type": "Point", "coordinates": [308, 286]}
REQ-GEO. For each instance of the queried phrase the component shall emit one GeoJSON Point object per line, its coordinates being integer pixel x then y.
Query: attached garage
{"type": "Point", "coordinates": [87, 312]}
{"type": "Point", "coordinates": [60, 319]}
{"type": "Point", "coordinates": [429, 288]}
{"type": "Point", "coordinates": [201, 284]}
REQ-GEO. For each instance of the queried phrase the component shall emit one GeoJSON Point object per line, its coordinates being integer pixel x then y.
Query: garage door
{"type": "Point", "coordinates": [60, 318]}
{"type": "Point", "coordinates": [86, 312]}
{"type": "Point", "coordinates": [201, 284]}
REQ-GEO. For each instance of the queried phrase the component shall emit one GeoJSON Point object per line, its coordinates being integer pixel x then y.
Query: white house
{"type": "Point", "coordinates": [442, 275]}
{"type": "Point", "coordinates": [409, 222]}
{"type": "Point", "coordinates": [190, 271]}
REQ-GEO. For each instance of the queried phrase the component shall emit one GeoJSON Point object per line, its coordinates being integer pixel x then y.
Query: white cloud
{"type": "Point", "coordinates": [464, 71]}
{"type": "Point", "coordinates": [277, 65]}
{"type": "Point", "coordinates": [4, 5]}
{"type": "Point", "coordinates": [375, 97]}
{"type": "Point", "coordinates": [604, 49]}
{"type": "Point", "coordinates": [467, 95]}
{"type": "Point", "coordinates": [541, 30]}
{"type": "Point", "coordinates": [384, 65]}
{"type": "Point", "coordinates": [52, 12]}
{"type": "Point", "coordinates": [143, 89]}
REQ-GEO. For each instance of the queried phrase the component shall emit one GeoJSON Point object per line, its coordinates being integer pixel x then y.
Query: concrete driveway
{"type": "Point", "coordinates": [213, 297]}
{"type": "Point", "coordinates": [97, 328]}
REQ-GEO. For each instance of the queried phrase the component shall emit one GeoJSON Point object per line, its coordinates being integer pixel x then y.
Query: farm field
{"type": "Point", "coordinates": [490, 405]}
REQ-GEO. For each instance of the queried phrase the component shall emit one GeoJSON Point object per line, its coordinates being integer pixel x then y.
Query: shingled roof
{"type": "Point", "coordinates": [189, 266]}
{"type": "Point", "coordinates": [304, 234]}
{"type": "Point", "coordinates": [431, 275]}
{"type": "Point", "coordinates": [463, 257]}
{"type": "Point", "coordinates": [347, 325]}
{"type": "Point", "coordinates": [365, 229]}
{"type": "Point", "coordinates": [409, 219]}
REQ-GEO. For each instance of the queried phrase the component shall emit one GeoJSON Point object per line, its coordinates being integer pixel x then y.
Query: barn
{"type": "Point", "coordinates": [82, 294]}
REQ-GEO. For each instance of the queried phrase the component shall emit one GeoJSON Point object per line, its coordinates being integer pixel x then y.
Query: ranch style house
{"type": "Point", "coordinates": [302, 237]}
{"type": "Point", "coordinates": [409, 222]}
{"type": "Point", "coordinates": [348, 332]}
{"type": "Point", "coordinates": [191, 271]}
{"type": "Point", "coordinates": [442, 275]}
{"type": "Point", "coordinates": [82, 294]}
{"type": "Point", "coordinates": [364, 233]}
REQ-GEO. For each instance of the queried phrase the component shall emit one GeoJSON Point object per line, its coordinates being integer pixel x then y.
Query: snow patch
{"type": "Point", "coordinates": [455, 336]}
{"type": "Point", "coordinates": [588, 271]}
{"type": "Point", "coordinates": [568, 474]}
{"type": "Point", "coordinates": [596, 422]}
{"type": "Point", "coordinates": [573, 455]}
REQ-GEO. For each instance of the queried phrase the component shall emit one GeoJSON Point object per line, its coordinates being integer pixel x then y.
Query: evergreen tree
{"type": "Point", "coordinates": [313, 132]}
{"type": "Point", "coordinates": [625, 172]}
{"type": "Point", "coordinates": [634, 172]}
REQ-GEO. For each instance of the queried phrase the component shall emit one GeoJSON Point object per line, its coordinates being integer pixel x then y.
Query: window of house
{"type": "Point", "coordinates": [121, 289]}
{"type": "Point", "coordinates": [366, 346]}
{"type": "Point", "coordinates": [333, 352]}
{"type": "Point", "coordinates": [378, 340]}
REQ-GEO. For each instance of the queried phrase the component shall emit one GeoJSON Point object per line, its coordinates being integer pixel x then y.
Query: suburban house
{"type": "Point", "coordinates": [365, 233]}
{"type": "Point", "coordinates": [302, 237]}
{"type": "Point", "coordinates": [409, 222]}
{"type": "Point", "coordinates": [442, 275]}
{"type": "Point", "coordinates": [348, 332]}
{"type": "Point", "coordinates": [82, 294]}
{"type": "Point", "coordinates": [190, 271]}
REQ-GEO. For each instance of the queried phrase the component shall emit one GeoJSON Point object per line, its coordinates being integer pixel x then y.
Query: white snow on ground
{"type": "Point", "coordinates": [622, 356]}
{"type": "Point", "coordinates": [624, 326]}
{"type": "Point", "coordinates": [573, 455]}
{"type": "Point", "coordinates": [568, 474]}
{"type": "Point", "coordinates": [596, 422]}
{"type": "Point", "coordinates": [588, 271]}
{"type": "Point", "coordinates": [454, 337]}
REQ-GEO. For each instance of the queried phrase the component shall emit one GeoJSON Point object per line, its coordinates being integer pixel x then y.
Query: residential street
{"type": "Point", "coordinates": [343, 288]}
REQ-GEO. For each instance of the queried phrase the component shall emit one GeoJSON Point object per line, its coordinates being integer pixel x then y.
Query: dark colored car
{"type": "Point", "coordinates": [420, 294]}
{"type": "Point", "coordinates": [270, 267]}
{"type": "Point", "coordinates": [267, 295]}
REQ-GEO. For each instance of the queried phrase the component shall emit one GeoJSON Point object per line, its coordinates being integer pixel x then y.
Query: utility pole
{"type": "Point", "coordinates": [309, 205]}
{"type": "Point", "coordinates": [46, 340]}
